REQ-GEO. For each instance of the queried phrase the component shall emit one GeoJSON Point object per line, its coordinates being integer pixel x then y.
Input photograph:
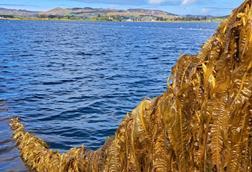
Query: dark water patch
{"type": "Point", "coordinates": [5, 141]}
{"type": "Point", "coordinates": [58, 82]}
{"type": "Point", "coordinates": [84, 54]}
{"type": "Point", "coordinates": [6, 149]}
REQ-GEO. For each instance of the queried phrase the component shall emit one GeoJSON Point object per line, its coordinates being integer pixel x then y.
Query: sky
{"type": "Point", "coordinates": [182, 7]}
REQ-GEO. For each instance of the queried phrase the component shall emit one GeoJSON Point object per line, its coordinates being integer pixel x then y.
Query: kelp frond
{"type": "Point", "coordinates": [203, 122]}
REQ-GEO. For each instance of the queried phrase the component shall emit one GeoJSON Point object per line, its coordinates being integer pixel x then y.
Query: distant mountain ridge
{"type": "Point", "coordinates": [20, 13]}
{"type": "Point", "coordinates": [109, 13]}
{"type": "Point", "coordinates": [98, 14]}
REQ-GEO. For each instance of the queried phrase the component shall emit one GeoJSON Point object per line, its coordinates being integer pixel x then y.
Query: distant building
{"type": "Point", "coordinates": [129, 20]}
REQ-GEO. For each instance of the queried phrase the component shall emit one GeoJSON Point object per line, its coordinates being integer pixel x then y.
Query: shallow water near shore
{"type": "Point", "coordinates": [73, 82]}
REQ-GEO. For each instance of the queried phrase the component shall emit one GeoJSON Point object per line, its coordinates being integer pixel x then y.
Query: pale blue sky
{"type": "Point", "coordinates": [201, 7]}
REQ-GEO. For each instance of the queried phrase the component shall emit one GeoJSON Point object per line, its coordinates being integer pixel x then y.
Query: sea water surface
{"type": "Point", "coordinates": [73, 82]}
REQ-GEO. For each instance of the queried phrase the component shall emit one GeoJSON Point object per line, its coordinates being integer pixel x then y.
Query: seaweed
{"type": "Point", "coordinates": [203, 122]}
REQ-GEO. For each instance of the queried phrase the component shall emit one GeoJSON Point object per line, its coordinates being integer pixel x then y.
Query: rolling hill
{"type": "Point", "coordinates": [98, 14]}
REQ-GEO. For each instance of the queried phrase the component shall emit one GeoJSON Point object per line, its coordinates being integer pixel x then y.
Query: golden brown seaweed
{"type": "Point", "coordinates": [203, 122]}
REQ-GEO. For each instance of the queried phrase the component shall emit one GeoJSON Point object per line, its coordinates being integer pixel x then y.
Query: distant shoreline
{"type": "Point", "coordinates": [104, 15]}
{"type": "Point", "coordinates": [95, 20]}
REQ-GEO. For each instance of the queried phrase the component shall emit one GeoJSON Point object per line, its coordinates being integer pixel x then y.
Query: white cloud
{"type": "Point", "coordinates": [188, 2]}
{"type": "Point", "coordinates": [183, 2]}
{"type": "Point", "coordinates": [157, 1]}
{"type": "Point", "coordinates": [205, 11]}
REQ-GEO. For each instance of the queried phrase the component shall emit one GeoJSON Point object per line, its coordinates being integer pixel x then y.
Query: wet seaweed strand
{"type": "Point", "coordinates": [203, 122]}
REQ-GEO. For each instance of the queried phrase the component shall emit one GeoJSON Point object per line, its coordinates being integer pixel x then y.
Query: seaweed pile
{"type": "Point", "coordinates": [203, 122]}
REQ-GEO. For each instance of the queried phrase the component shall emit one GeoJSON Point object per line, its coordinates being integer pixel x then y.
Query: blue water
{"type": "Point", "coordinates": [72, 82]}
